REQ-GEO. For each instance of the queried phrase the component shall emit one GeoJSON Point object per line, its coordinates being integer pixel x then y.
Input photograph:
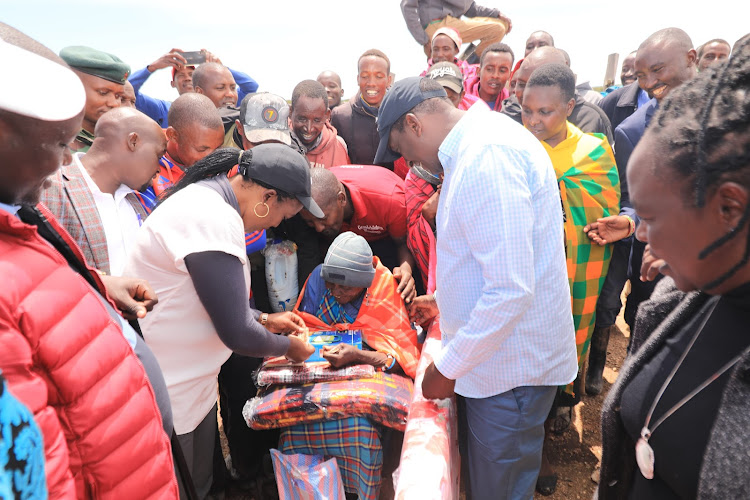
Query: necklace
{"type": "Point", "coordinates": [644, 454]}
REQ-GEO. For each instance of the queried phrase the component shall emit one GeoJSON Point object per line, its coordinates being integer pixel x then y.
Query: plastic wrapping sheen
{"type": "Point", "coordinates": [430, 462]}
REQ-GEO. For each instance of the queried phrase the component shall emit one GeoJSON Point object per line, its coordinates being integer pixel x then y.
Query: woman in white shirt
{"type": "Point", "coordinates": [191, 250]}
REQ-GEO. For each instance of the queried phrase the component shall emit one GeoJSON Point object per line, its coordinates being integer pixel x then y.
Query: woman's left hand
{"type": "Point", "coordinates": [340, 355]}
{"type": "Point", "coordinates": [285, 322]}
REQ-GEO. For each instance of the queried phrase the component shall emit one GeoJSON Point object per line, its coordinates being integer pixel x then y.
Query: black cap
{"type": "Point", "coordinates": [282, 168]}
{"type": "Point", "coordinates": [399, 100]}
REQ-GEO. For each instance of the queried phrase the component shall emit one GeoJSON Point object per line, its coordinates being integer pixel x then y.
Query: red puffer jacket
{"type": "Point", "coordinates": [64, 357]}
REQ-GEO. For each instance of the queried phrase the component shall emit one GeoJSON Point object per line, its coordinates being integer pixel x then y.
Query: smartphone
{"type": "Point", "coordinates": [194, 57]}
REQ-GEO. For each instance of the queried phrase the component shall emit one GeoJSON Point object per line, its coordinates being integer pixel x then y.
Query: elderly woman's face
{"type": "Point", "coordinates": [344, 294]}
{"type": "Point", "coordinates": [674, 228]}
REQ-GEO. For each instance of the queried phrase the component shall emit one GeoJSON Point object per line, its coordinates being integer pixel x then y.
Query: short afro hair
{"type": "Point", "coordinates": [554, 75]}
{"type": "Point", "coordinates": [376, 53]}
{"type": "Point", "coordinates": [309, 88]}
{"type": "Point", "coordinates": [497, 47]}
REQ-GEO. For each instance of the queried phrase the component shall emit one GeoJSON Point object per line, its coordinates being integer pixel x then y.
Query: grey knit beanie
{"type": "Point", "coordinates": [349, 261]}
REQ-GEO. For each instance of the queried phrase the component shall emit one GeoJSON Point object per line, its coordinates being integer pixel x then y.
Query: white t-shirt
{"type": "Point", "coordinates": [120, 221]}
{"type": "Point", "coordinates": [179, 330]}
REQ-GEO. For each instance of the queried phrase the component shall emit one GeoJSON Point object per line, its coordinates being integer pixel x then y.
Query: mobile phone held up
{"type": "Point", "coordinates": [194, 57]}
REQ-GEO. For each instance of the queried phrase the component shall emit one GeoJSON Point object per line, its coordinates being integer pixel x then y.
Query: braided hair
{"type": "Point", "coordinates": [221, 162]}
{"type": "Point", "coordinates": [704, 126]}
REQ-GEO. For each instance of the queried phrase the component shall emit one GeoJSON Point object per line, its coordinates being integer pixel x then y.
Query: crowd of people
{"type": "Point", "coordinates": [493, 192]}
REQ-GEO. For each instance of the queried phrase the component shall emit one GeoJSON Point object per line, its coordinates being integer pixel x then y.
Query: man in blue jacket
{"type": "Point", "coordinates": [182, 80]}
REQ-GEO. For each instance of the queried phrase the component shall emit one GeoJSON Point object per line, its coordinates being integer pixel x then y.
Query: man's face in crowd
{"type": "Point", "coordinates": [194, 142]}
{"type": "Point", "coordinates": [220, 87]}
{"type": "Point", "coordinates": [453, 96]}
{"type": "Point", "coordinates": [662, 66]}
{"type": "Point", "coordinates": [443, 49]}
{"type": "Point", "coordinates": [31, 151]}
{"type": "Point", "coordinates": [127, 98]}
{"type": "Point", "coordinates": [101, 96]}
{"type": "Point", "coordinates": [373, 78]}
{"type": "Point", "coordinates": [413, 144]}
{"type": "Point", "coordinates": [330, 225]}
{"type": "Point", "coordinates": [332, 83]}
{"type": "Point", "coordinates": [627, 73]}
{"type": "Point", "coordinates": [183, 80]}
{"type": "Point", "coordinates": [145, 161]}
{"type": "Point", "coordinates": [494, 73]}
{"type": "Point", "coordinates": [536, 40]}
{"type": "Point", "coordinates": [309, 117]}
{"type": "Point", "coordinates": [342, 293]}
{"type": "Point", "coordinates": [545, 113]}
{"type": "Point", "coordinates": [713, 53]}
{"type": "Point", "coordinates": [522, 76]}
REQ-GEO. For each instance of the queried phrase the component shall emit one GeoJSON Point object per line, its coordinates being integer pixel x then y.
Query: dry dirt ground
{"type": "Point", "coordinates": [575, 455]}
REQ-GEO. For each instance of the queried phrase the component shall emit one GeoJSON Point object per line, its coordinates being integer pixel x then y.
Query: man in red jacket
{"type": "Point", "coordinates": [309, 119]}
{"type": "Point", "coordinates": [63, 352]}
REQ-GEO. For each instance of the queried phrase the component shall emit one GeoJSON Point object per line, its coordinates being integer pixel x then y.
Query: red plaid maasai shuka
{"type": "Point", "coordinates": [384, 398]}
{"type": "Point", "coordinates": [354, 442]}
{"type": "Point", "coordinates": [270, 375]}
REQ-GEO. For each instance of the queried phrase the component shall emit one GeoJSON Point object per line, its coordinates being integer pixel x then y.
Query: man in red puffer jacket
{"type": "Point", "coordinates": [63, 352]}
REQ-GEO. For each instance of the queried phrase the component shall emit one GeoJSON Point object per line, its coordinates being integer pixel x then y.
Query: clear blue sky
{"type": "Point", "coordinates": [281, 42]}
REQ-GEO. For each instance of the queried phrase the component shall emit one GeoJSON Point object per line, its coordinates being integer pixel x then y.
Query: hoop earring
{"type": "Point", "coordinates": [255, 210]}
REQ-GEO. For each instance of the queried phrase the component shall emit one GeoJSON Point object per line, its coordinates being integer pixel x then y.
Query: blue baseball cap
{"type": "Point", "coordinates": [399, 100]}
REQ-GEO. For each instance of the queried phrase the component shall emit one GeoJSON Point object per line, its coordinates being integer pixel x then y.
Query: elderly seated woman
{"type": "Point", "coordinates": [353, 290]}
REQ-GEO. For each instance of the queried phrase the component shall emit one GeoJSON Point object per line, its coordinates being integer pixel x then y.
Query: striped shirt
{"type": "Point", "coordinates": [502, 284]}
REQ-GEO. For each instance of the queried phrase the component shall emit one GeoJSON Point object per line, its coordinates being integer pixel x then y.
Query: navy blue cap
{"type": "Point", "coordinates": [399, 100]}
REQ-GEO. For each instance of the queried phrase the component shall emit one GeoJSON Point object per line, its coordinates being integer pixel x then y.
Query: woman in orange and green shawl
{"type": "Point", "coordinates": [589, 189]}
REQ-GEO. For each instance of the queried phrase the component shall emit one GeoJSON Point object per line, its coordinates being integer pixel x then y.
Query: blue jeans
{"type": "Point", "coordinates": [504, 436]}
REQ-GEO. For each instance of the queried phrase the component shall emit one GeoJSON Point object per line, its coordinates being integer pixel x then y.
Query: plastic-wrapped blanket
{"type": "Point", "coordinates": [430, 461]}
{"type": "Point", "coordinates": [303, 374]}
{"type": "Point", "coordinates": [384, 398]}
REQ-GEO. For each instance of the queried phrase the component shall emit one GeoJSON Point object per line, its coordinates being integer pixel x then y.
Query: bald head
{"type": "Point", "coordinates": [126, 150]}
{"type": "Point", "coordinates": [538, 39]}
{"type": "Point", "coordinates": [192, 108]}
{"type": "Point", "coordinates": [536, 59]}
{"type": "Point", "coordinates": [668, 36]}
{"type": "Point", "coordinates": [120, 122]}
{"type": "Point", "coordinates": [325, 187]}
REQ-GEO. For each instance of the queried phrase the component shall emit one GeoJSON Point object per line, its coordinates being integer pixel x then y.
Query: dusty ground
{"type": "Point", "coordinates": [575, 455]}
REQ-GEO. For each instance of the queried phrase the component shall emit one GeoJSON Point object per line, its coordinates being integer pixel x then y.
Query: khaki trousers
{"type": "Point", "coordinates": [487, 30]}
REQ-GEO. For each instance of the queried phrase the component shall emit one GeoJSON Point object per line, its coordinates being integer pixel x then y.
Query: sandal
{"type": "Point", "coordinates": [561, 420]}
{"type": "Point", "coordinates": [546, 485]}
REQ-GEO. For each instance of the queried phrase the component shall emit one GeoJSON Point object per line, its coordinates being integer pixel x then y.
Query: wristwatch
{"type": "Point", "coordinates": [264, 319]}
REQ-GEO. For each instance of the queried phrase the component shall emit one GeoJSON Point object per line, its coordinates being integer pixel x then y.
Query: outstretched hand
{"type": "Point", "coordinates": [608, 229]}
{"type": "Point", "coordinates": [651, 266]}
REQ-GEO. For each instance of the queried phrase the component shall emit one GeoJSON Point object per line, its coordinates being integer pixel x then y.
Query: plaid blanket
{"type": "Point", "coordinates": [353, 441]}
{"type": "Point", "coordinates": [590, 189]}
{"type": "Point", "coordinates": [384, 398]}
{"type": "Point", "coordinates": [303, 374]}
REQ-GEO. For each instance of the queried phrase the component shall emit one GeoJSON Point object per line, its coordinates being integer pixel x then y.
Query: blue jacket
{"type": "Point", "coordinates": [158, 109]}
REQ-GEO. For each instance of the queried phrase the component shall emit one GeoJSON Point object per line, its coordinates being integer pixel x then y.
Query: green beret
{"type": "Point", "coordinates": [97, 63]}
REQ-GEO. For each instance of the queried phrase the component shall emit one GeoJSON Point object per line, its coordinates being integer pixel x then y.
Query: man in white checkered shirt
{"type": "Point", "coordinates": [502, 286]}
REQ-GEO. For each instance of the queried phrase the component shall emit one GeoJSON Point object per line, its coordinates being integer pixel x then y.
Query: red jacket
{"type": "Point", "coordinates": [330, 152]}
{"type": "Point", "coordinates": [64, 357]}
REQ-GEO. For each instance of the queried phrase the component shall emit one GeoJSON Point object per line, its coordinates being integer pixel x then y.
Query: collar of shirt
{"type": "Point", "coordinates": [449, 147]}
{"type": "Point", "coordinates": [358, 204]}
{"type": "Point", "coordinates": [120, 193]}
{"type": "Point", "coordinates": [11, 209]}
